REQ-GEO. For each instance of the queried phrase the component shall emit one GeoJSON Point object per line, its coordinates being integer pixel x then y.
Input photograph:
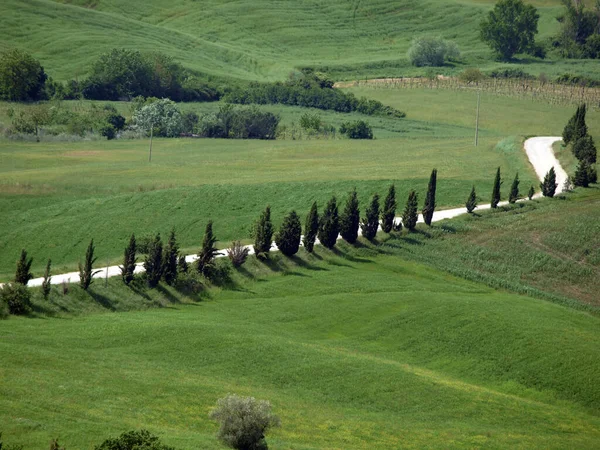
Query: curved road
{"type": "Point", "coordinates": [538, 149]}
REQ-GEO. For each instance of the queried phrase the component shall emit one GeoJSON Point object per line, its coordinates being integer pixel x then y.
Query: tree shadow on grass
{"type": "Point", "coordinates": [346, 255]}
{"type": "Point", "coordinates": [168, 295]}
{"type": "Point", "coordinates": [102, 300]}
{"type": "Point", "coordinates": [305, 264]}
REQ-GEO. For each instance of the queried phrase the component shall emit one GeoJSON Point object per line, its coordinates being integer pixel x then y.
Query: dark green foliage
{"type": "Point", "coordinates": [357, 130]}
{"type": "Point", "coordinates": [510, 28]}
{"type": "Point", "coordinates": [86, 271]}
{"type": "Point", "coordinates": [531, 193]}
{"type": "Point", "coordinates": [432, 51]}
{"type": "Point", "coordinates": [134, 440]}
{"type": "Point", "coordinates": [329, 227]}
{"type": "Point", "coordinates": [22, 78]}
{"type": "Point", "coordinates": [584, 149]}
{"type": "Point", "coordinates": [54, 445]}
{"type": "Point", "coordinates": [189, 121]}
{"type": "Point", "coordinates": [206, 256]}
{"type": "Point", "coordinates": [23, 273]}
{"type": "Point", "coordinates": [579, 35]}
{"type": "Point", "coordinates": [582, 174]}
{"type": "Point", "coordinates": [170, 260]}
{"type": "Point", "coordinates": [237, 253]}
{"type": "Point", "coordinates": [4, 313]}
{"type": "Point", "coordinates": [514, 190]}
{"type": "Point", "coordinates": [429, 205]}
{"type": "Point", "coordinates": [350, 219]}
{"type": "Point", "coordinates": [16, 297]}
{"type": "Point", "coordinates": [593, 175]}
{"type": "Point", "coordinates": [549, 184]}
{"type": "Point", "coordinates": [153, 262]}
{"type": "Point", "coordinates": [46, 284]}
{"type": "Point", "coordinates": [576, 127]}
{"type": "Point", "coordinates": [311, 228]}
{"type": "Point", "coordinates": [263, 234]}
{"type": "Point", "coordinates": [370, 223]}
{"type": "Point", "coordinates": [182, 265]}
{"type": "Point", "coordinates": [129, 258]}
{"type": "Point", "coordinates": [496, 189]}
{"type": "Point", "coordinates": [471, 201]}
{"type": "Point", "coordinates": [411, 215]}
{"type": "Point", "coordinates": [238, 123]}
{"type": "Point", "coordinates": [510, 72]}
{"type": "Point", "coordinates": [389, 210]}
{"type": "Point", "coordinates": [290, 232]}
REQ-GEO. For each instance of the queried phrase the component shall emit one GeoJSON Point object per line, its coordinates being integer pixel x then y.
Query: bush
{"type": "Point", "coordinates": [134, 440]}
{"type": "Point", "coordinates": [510, 72]}
{"type": "Point", "coordinates": [238, 123]}
{"type": "Point", "coordinates": [22, 78]}
{"type": "Point", "coordinates": [162, 116]}
{"type": "Point", "coordinates": [357, 130]}
{"type": "Point", "coordinates": [16, 297]}
{"type": "Point", "coordinates": [471, 75]}
{"type": "Point", "coordinates": [244, 421]}
{"type": "Point", "coordinates": [427, 51]}
{"type": "Point", "coordinates": [108, 131]}
{"type": "Point", "coordinates": [237, 254]}
{"type": "Point", "coordinates": [310, 121]}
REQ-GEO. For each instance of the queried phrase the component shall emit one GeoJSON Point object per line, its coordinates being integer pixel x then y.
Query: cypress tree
{"type": "Point", "coordinates": [350, 219]}
{"type": "Point", "coordinates": [182, 265]}
{"type": "Point", "coordinates": [206, 256]}
{"type": "Point", "coordinates": [311, 228]}
{"type": "Point", "coordinates": [171, 256]}
{"type": "Point", "coordinates": [86, 271]}
{"type": "Point", "coordinates": [580, 130]}
{"type": "Point", "coordinates": [429, 205]}
{"type": "Point", "coordinates": [569, 130]}
{"type": "Point", "coordinates": [584, 149]}
{"type": "Point", "coordinates": [329, 227]}
{"type": "Point", "coordinates": [592, 175]}
{"type": "Point", "coordinates": [531, 193]}
{"type": "Point", "coordinates": [496, 189]}
{"type": "Point", "coordinates": [471, 203]}
{"type": "Point", "coordinates": [582, 174]}
{"type": "Point", "coordinates": [410, 215]}
{"type": "Point", "coordinates": [549, 184]}
{"type": "Point", "coordinates": [389, 210]}
{"type": "Point", "coordinates": [290, 232]}
{"type": "Point", "coordinates": [46, 284]}
{"type": "Point", "coordinates": [23, 273]}
{"type": "Point", "coordinates": [514, 190]}
{"type": "Point", "coordinates": [129, 258]}
{"type": "Point", "coordinates": [153, 262]}
{"type": "Point", "coordinates": [370, 223]}
{"type": "Point", "coordinates": [263, 234]}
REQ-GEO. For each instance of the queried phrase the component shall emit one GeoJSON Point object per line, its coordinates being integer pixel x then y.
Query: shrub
{"type": "Point", "coordinates": [290, 232]}
{"type": "Point", "coordinates": [329, 227]}
{"type": "Point", "coordinates": [311, 228]}
{"type": "Point", "coordinates": [108, 131]}
{"type": "Point", "coordinates": [162, 116]}
{"type": "Point", "coordinates": [129, 258]}
{"type": "Point", "coordinates": [22, 78]}
{"type": "Point", "coordinates": [237, 254]}
{"type": "Point", "coordinates": [471, 203]}
{"type": "Point", "coordinates": [238, 123]}
{"type": "Point", "coordinates": [86, 272]}
{"type": "Point", "coordinates": [243, 421]}
{"type": "Point", "coordinates": [134, 440]}
{"type": "Point", "coordinates": [263, 234]}
{"type": "Point", "coordinates": [471, 75]}
{"type": "Point", "coordinates": [153, 262]}
{"type": "Point", "coordinates": [370, 223]}
{"type": "Point", "coordinates": [388, 214]}
{"type": "Point", "coordinates": [310, 121]}
{"type": "Point", "coordinates": [16, 297]}
{"type": "Point", "coordinates": [23, 273]}
{"type": "Point", "coordinates": [510, 72]}
{"type": "Point", "coordinates": [411, 215]}
{"type": "Point", "coordinates": [357, 130]}
{"type": "Point", "coordinates": [208, 252]}
{"type": "Point", "coordinates": [350, 219]}
{"type": "Point", "coordinates": [549, 184]}
{"type": "Point", "coordinates": [429, 206]}
{"type": "Point", "coordinates": [427, 51]}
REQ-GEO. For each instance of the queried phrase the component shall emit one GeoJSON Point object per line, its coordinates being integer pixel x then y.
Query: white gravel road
{"type": "Point", "coordinates": [538, 149]}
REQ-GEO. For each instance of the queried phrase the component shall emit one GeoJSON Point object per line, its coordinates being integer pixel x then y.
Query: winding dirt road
{"type": "Point", "coordinates": [538, 149]}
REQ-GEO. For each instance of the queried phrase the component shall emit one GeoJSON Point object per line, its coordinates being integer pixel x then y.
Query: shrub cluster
{"type": "Point", "coordinates": [432, 51]}
{"type": "Point", "coordinates": [357, 130]}
{"type": "Point", "coordinates": [238, 123]}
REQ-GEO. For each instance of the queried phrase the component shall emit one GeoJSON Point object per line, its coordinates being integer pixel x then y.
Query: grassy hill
{"type": "Point", "coordinates": [260, 40]}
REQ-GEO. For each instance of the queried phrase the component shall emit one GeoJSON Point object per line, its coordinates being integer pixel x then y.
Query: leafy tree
{"type": "Point", "coordinates": [244, 421]}
{"type": "Point", "coordinates": [206, 257]}
{"type": "Point", "coordinates": [432, 51]}
{"type": "Point", "coordinates": [329, 227]}
{"type": "Point", "coordinates": [134, 440]}
{"type": "Point", "coordinates": [370, 223]}
{"type": "Point", "coordinates": [429, 205]}
{"type": "Point", "coordinates": [496, 189]}
{"type": "Point", "coordinates": [388, 213]}
{"type": "Point", "coordinates": [411, 215]}
{"type": "Point", "coordinates": [350, 219]}
{"type": "Point", "coordinates": [471, 201]}
{"type": "Point", "coordinates": [290, 232]}
{"type": "Point", "coordinates": [86, 271]}
{"type": "Point", "coordinates": [584, 149]}
{"type": "Point", "coordinates": [171, 256]}
{"type": "Point", "coordinates": [514, 190]}
{"type": "Point", "coordinates": [22, 78]}
{"type": "Point", "coordinates": [129, 259]}
{"type": "Point", "coordinates": [153, 262]}
{"type": "Point", "coordinates": [162, 116]}
{"type": "Point", "coordinates": [510, 28]}
{"type": "Point", "coordinates": [549, 184]}
{"type": "Point", "coordinates": [582, 174]}
{"type": "Point", "coordinates": [46, 284]}
{"type": "Point", "coordinates": [16, 297]}
{"type": "Point", "coordinates": [263, 234]}
{"type": "Point", "coordinates": [531, 193]}
{"type": "Point", "coordinates": [311, 228]}
{"type": "Point", "coordinates": [23, 273]}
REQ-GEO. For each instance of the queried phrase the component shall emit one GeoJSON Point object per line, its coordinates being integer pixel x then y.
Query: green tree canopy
{"type": "Point", "coordinates": [22, 78]}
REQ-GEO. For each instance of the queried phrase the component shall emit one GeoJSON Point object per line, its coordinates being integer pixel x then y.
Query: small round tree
{"type": "Point", "coordinates": [289, 234]}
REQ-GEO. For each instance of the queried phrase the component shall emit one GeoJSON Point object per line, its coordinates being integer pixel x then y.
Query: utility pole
{"type": "Point", "coordinates": [477, 119]}
{"type": "Point", "coordinates": [151, 130]}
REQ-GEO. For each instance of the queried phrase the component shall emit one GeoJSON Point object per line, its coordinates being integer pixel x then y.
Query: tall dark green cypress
{"type": "Point", "coordinates": [514, 190]}
{"type": "Point", "coordinates": [311, 228]}
{"type": "Point", "coordinates": [263, 234]}
{"type": "Point", "coordinates": [171, 256]}
{"type": "Point", "coordinates": [129, 258]}
{"type": "Point", "coordinates": [582, 174]}
{"type": "Point", "coordinates": [350, 219]}
{"type": "Point", "coordinates": [549, 184]}
{"type": "Point", "coordinates": [153, 262]}
{"type": "Point", "coordinates": [471, 203]}
{"type": "Point", "coordinates": [569, 130]}
{"type": "Point", "coordinates": [389, 210]}
{"type": "Point", "coordinates": [429, 206]}
{"type": "Point", "coordinates": [530, 193]}
{"type": "Point", "coordinates": [23, 273]}
{"type": "Point", "coordinates": [496, 189]}
{"type": "Point", "coordinates": [287, 238]}
{"type": "Point", "coordinates": [86, 270]}
{"type": "Point", "coordinates": [207, 254]}
{"type": "Point", "coordinates": [329, 226]}
{"type": "Point", "coordinates": [47, 283]}
{"type": "Point", "coordinates": [411, 214]}
{"type": "Point", "coordinates": [580, 129]}
{"type": "Point", "coordinates": [182, 264]}
{"type": "Point", "coordinates": [370, 223]}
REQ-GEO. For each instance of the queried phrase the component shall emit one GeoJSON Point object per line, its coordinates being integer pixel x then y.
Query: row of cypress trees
{"type": "Point", "coordinates": [582, 144]}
